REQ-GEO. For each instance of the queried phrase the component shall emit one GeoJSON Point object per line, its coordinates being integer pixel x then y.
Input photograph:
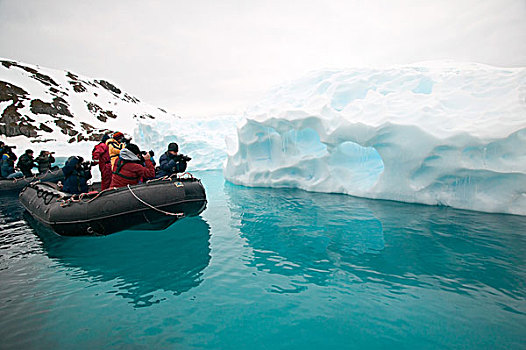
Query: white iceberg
{"type": "Point", "coordinates": [202, 139]}
{"type": "Point", "coordinates": [438, 133]}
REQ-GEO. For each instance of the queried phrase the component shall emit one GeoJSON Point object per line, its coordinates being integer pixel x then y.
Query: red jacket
{"type": "Point", "coordinates": [101, 153]}
{"type": "Point", "coordinates": [128, 170]}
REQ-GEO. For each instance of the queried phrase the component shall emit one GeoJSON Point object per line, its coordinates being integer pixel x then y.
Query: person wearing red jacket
{"type": "Point", "coordinates": [101, 155]}
{"type": "Point", "coordinates": [128, 169]}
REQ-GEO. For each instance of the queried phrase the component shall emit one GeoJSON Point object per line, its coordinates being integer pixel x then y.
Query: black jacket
{"type": "Point", "coordinates": [76, 177]}
{"type": "Point", "coordinates": [25, 164]}
{"type": "Point", "coordinates": [44, 162]}
{"type": "Point", "coordinates": [170, 164]}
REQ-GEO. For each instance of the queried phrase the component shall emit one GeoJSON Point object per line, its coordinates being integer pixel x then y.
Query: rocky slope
{"type": "Point", "coordinates": [41, 105]}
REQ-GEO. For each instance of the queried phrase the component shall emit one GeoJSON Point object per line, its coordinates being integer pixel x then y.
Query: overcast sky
{"type": "Point", "coordinates": [209, 57]}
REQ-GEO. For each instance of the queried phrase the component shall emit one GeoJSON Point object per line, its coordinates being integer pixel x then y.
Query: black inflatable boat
{"type": "Point", "coordinates": [15, 185]}
{"type": "Point", "coordinates": [153, 205]}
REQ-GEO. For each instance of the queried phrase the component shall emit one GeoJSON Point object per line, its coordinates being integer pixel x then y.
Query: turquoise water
{"type": "Point", "coordinates": [270, 269]}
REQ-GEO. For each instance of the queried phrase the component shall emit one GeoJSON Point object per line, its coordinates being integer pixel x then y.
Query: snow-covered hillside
{"type": "Point", "coordinates": [49, 109]}
{"type": "Point", "coordinates": [61, 111]}
{"type": "Point", "coordinates": [436, 133]}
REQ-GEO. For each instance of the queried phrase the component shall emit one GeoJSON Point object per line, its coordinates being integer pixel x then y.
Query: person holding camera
{"type": "Point", "coordinates": [171, 162]}
{"type": "Point", "coordinates": [128, 169]}
{"type": "Point", "coordinates": [26, 162]}
{"type": "Point", "coordinates": [45, 160]}
{"type": "Point", "coordinates": [76, 175]}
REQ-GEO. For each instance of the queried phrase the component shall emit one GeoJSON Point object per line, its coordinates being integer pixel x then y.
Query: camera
{"type": "Point", "coordinates": [183, 157]}
{"type": "Point", "coordinates": [87, 165]}
{"type": "Point", "coordinates": [150, 152]}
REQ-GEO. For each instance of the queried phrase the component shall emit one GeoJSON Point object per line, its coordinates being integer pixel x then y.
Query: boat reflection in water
{"type": "Point", "coordinates": [140, 262]}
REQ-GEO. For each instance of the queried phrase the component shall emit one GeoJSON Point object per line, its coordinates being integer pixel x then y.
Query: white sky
{"type": "Point", "coordinates": [209, 57]}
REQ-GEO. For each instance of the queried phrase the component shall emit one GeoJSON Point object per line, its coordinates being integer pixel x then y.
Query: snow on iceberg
{"type": "Point", "coordinates": [439, 133]}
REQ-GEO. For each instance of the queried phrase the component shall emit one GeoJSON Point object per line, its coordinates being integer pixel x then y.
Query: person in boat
{"type": "Point", "coordinates": [115, 145]}
{"type": "Point", "coordinates": [76, 175]}
{"type": "Point", "coordinates": [151, 154]}
{"type": "Point", "coordinates": [171, 162]}
{"type": "Point", "coordinates": [128, 169]}
{"type": "Point", "coordinates": [101, 156]}
{"type": "Point", "coordinates": [45, 162]}
{"type": "Point", "coordinates": [26, 162]}
{"type": "Point", "coordinates": [7, 169]}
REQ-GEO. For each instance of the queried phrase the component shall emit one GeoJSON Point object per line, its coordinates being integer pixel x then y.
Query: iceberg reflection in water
{"type": "Point", "coordinates": [140, 262]}
{"type": "Point", "coordinates": [293, 232]}
{"type": "Point", "coordinates": [328, 239]}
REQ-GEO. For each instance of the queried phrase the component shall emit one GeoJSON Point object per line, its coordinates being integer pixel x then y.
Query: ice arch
{"type": "Point", "coordinates": [355, 167]}
{"type": "Point", "coordinates": [284, 156]}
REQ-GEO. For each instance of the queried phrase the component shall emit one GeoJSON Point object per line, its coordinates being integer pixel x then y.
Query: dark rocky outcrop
{"type": "Point", "coordinates": [12, 123]}
{"type": "Point", "coordinates": [109, 86]}
{"type": "Point", "coordinates": [11, 92]}
{"type": "Point", "coordinates": [143, 116]}
{"type": "Point", "coordinates": [66, 127]}
{"type": "Point", "coordinates": [58, 107]}
{"type": "Point", "coordinates": [57, 92]}
{"type": "Point", "coordinates": [78, 87]}
{"type": "Point", "coordinates": [130, 98]}
{"type": "Point", "coordinates": [76, 82]}
{"type": "Point", "coordinates": [45, 128]}
{"type": "Point", "coordinates": [97, 111]}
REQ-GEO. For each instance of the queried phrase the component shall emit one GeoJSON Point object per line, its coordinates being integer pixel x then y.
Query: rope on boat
{"type": "Point", "coordinates": [152, 207]}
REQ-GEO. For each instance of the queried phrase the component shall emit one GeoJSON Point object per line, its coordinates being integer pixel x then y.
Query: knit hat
{"type": "Point", "coordinates": [118, 135]}
{"type": "Point", "coordinates": [134, 149]}
{"type": "Point", "coordinates": [173, 147]}
{"type": "Point", "coordinates": [29, 151]}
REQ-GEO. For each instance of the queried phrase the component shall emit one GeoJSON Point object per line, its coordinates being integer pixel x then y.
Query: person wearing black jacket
{"type": "Point", "coordinates": [45, 160]}
{"type": "Point", "coordinates": [171, 162]}
{"type": "Point", "coordinates": [76, 175]}
{"type": "Point", "coordinates": [26, 163]}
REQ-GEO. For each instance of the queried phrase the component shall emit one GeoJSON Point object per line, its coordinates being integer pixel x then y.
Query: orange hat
{"type": "Point", "coordinates": [118, 135]}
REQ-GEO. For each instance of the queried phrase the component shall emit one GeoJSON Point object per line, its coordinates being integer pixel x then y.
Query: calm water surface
{"type": "Point", "coordinates": [270, 269]}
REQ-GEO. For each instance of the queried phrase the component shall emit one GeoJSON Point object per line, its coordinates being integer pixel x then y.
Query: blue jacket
{"type": "Point", "coordinates": [170, 164]}
{"type": "Point", "coordinates": [8, 165]}
{"type": "Point", "coordinates": [76, 178]}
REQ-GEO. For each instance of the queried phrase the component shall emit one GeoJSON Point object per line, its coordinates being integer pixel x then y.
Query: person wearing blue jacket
{"type": "Point", "coordinates": [7, 169]}
{"type": "Point", "coordinates": [76, 175]}
{"type": "Point", "coordinates": [171, 162]}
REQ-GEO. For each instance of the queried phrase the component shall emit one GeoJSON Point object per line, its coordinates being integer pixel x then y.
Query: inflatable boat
{"type": "Point", "coordinates": [153, 205]}
{"type": "Point", "coordinates": [12, 185]}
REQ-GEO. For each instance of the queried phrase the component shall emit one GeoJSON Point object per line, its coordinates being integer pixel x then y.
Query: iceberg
{"type": "Point", "coordinates": [436, 133]}
{"type": "Point", "coordinates": [203, 139]}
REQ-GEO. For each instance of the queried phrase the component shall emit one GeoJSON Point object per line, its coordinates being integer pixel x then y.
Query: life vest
{"type": "Point", "coordinates": [116, 145]}
{"type": "Point", "coordinates": [120, 164]}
